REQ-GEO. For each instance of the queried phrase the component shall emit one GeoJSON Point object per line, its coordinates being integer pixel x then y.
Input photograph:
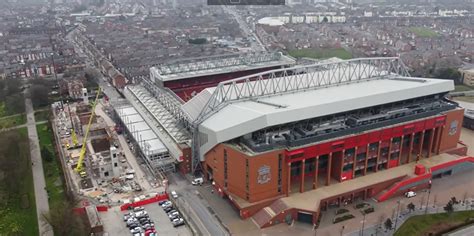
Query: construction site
{"type": "Point", "coordinates": [100, 162]}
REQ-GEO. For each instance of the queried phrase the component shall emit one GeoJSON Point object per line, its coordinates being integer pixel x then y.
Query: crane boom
{"type": "Point", "coordinates": [82, 154]}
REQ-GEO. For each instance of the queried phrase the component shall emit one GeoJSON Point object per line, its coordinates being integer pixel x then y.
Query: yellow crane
{"type": "Point", "coordinates": [79, 168]}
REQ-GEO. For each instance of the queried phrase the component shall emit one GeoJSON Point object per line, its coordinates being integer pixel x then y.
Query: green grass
{"type": "Point", "coordinates": [321, 53]}
{"type": "Point", "coordinates": [17, 204]}
{"type": "Point", "coordinates": [52, 169]}
{"type": "Point", "coordinates": [11, 121]}
{"type": "Point", "coordinates": [41, 115]}
{"type": "Point", "coordinates": [424, 224]}
{"type": "Point", "coordinates": [423, 32]}
{"type": "Point", "coordinates": [2, 109]}
{"type": "Point", "coordinates": [462, 88]}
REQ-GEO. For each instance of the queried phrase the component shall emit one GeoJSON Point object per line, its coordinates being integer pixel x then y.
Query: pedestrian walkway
{"type": "Point", "coordinates": [404, 215]}
{"type": "Point", "coordinates": [41, 196]}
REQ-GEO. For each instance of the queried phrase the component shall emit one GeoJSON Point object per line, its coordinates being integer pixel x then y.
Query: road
{"type": "Point", "coordinates": [41, 196]}
{"type": "Point", "coordinates": [256, 45]}
{"type": "Point", "coordinates": [206, 222]}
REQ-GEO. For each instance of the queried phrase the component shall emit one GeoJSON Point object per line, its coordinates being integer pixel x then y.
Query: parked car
{"type": "Point", "coordinates": [173, 215]}
{"type": "Point", "coordinates": [198, 181]}
{"type": "Point", "coordinates": [168, 209]}
{"type": "Point", "coordinates": [178, 222]}
{"type": "Point", "coordinates": [136, 230]}
{"type": "Point", "coordinates": [133, 225]}
{"type": "Point", "coordinates": [166, 204]}
{"type": "Point", "coordinates": [137, 209]}
{"type": "Point", "coordinates": [410, 194]}
{"type": "Point", "coordinates": [127, 216]}
{"type": "Point", "coordinates": [150, 232]}
{"type": "Point", "coordinates": [161, 202]}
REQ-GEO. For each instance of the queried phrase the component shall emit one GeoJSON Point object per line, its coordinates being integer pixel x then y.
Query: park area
{"type": "Point", "coordinates": [12, 121]}
{"type": "Point", "coordinates": [423, 32]}
{"type": "Point", "coordinates": [51, 167]}
{"type": "Point", "coordinates": [17, 200]}
{"type": "Point", "coordinates": [435, 224]}
{"type": "Point", "coordinates": [321, 53]}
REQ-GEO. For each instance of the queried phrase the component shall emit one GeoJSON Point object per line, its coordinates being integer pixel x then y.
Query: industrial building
{"type": "Point", "coordinates": [288, 143]}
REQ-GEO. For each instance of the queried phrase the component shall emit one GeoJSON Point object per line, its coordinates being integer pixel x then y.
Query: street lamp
{"type": "Point", "coordinates": [398, 209]}
{"type": "Point", "coordinates": [363, 224]}
{"type": "Point", "coordinates": [428, 199]}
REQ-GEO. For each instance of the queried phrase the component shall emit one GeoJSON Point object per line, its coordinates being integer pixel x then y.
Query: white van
{"type": "Point", "coordinates": [410, 194]}
{"type": "Point", "coordinates": [197, 181]}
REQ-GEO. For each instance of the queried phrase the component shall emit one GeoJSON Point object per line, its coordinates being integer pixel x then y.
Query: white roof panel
{"type": "Point", "coordinates": [243, 117]}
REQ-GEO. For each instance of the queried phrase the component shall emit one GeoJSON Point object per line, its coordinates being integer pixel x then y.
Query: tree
{"type": "Point", "coordinates": [411, 207]}
{"type": "Point", "coordinates": [39, 95]}
{"type": "Point", "coordinates": [454, 200]}
{"type": "Point", "coordinates": [14, 104]}
{"type": "Point", "coordinates": [64, 221]}
{"type": "Point", "coordinates": [449, 207]}
{"type": "Point", "coordinates": [46, 154]}
{"type": "Point", "coordinates": [388, 224]}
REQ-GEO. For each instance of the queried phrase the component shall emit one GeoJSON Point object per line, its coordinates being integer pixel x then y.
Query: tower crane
{"type": "Point", "coordinates": [79, 168]}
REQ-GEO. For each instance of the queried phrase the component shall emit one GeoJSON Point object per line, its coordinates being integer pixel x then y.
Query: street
{"type": "Point", "coordinates": [41, 196]}
{"type": "Point", "coordinates": [255, 45]}
{"type": "Point", "coordinates": [199, 209]}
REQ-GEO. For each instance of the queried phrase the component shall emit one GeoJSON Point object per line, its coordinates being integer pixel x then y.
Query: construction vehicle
{"type": "Point", "coordinates": [79, 168]}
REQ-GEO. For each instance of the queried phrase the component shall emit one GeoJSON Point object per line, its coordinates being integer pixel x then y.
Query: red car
{"type": "Point", "coordinates": [151, 232]}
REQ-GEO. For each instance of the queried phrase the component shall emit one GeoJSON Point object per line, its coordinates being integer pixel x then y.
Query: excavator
{"type": "Point", "coordinates": [80, 168]}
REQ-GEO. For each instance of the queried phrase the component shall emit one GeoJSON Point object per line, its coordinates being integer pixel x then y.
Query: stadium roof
{"type": "Point", "coordinates": [218, 65]}
{"type": "Point", "coordinates": [238, 117]}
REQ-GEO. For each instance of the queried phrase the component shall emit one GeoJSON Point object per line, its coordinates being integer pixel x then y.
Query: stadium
{"type": "Point", "coordinates": [286, 142]}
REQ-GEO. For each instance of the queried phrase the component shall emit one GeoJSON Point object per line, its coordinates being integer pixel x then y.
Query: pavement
{"type": "Point", "coordinates": [22, 126]}
{"type": "Point", "coordinates": [41, 196]}
{"type": "Point", "coordinates": [460, 186]}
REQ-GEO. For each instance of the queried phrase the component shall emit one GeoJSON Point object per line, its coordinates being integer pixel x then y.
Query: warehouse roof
{"type": "Point", "coordinates": [148, 141]}
{"type": "Point", "coordinates": [242, 117]}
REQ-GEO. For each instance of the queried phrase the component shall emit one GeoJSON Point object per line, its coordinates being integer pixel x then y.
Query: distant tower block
{"type": "Point", "coordinates": [115, 161]}
{"type": "Point", "coordinates": [85, 95]}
